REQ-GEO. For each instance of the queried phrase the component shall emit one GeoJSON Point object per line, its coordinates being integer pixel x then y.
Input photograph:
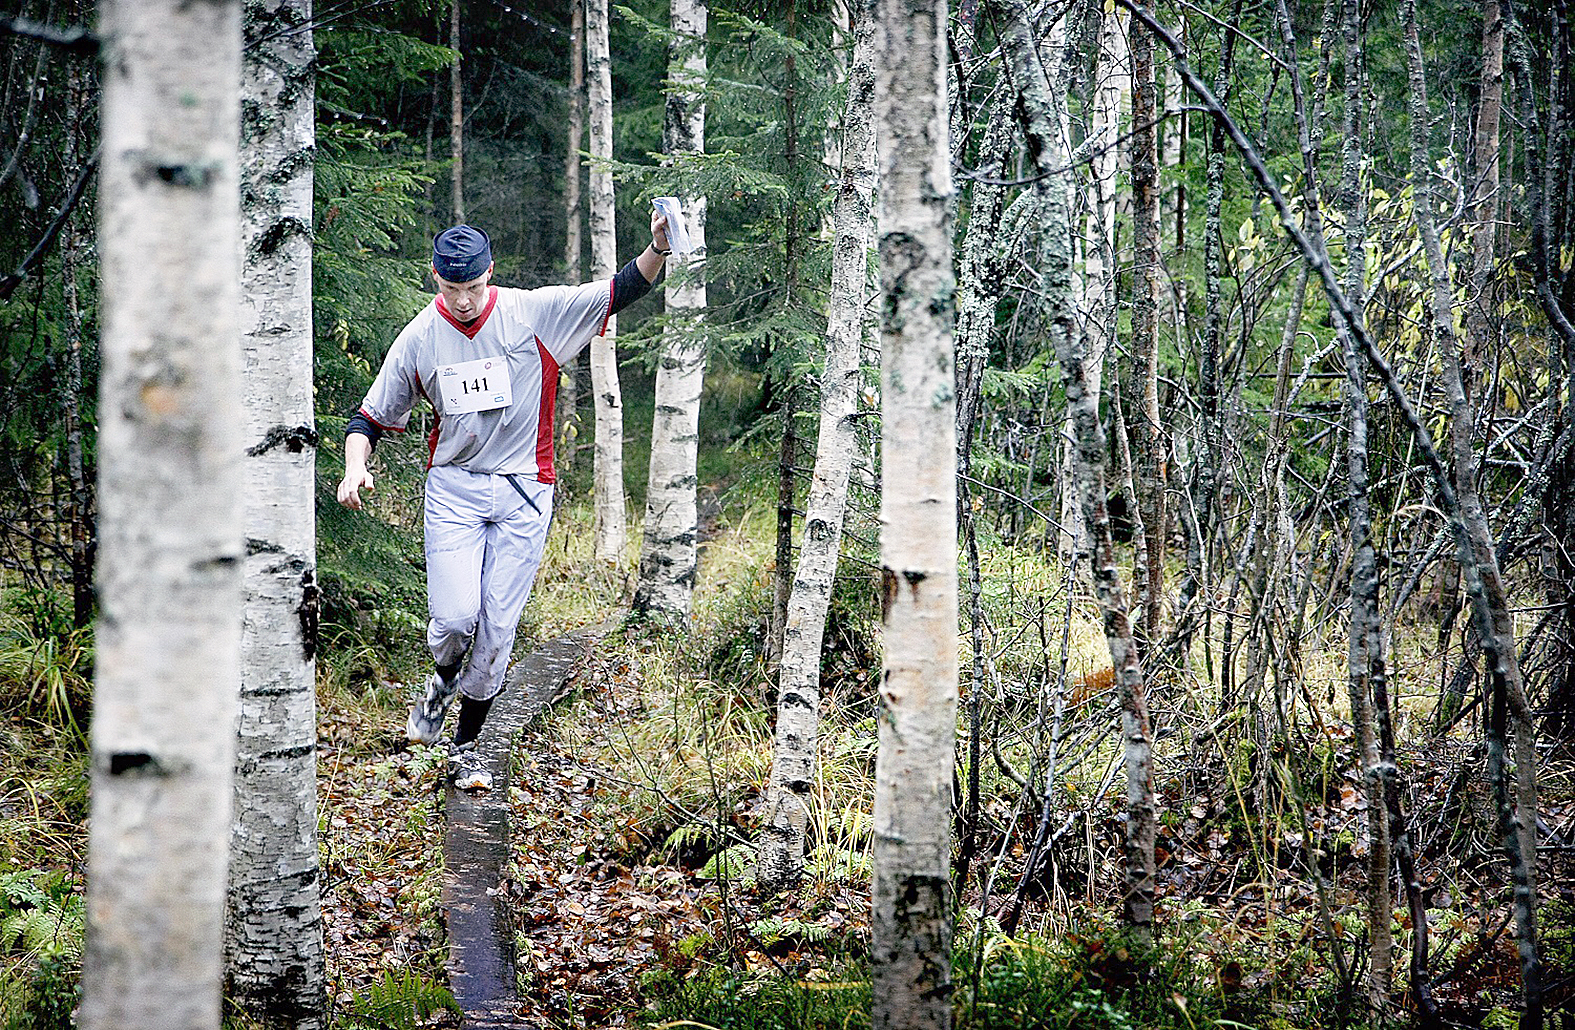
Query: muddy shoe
{"type": "Point", "coordinates": [426, 716]}
{"type": "Point", "coordinates": [469, 767]}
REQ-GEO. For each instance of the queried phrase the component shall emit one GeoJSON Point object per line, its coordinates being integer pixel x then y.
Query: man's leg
{"type": "Point", "coordinates": [456, 529]}
{"type": "Point", "coordinates": [515, 543]}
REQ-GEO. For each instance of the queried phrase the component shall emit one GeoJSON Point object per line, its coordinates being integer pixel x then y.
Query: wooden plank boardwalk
{"type": "Point", "coordinates": [476, 841]}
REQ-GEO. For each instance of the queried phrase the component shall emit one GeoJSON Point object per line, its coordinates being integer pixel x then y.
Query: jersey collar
{"type": "Point", "coordinates": [474, 327]}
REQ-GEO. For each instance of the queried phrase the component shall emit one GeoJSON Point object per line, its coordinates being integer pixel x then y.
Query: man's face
{"type": "Point", "coordinates": [464, 300]}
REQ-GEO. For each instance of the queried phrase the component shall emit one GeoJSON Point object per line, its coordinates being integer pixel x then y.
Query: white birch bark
{"type": "Point", "coordinates": [573, 217]}
{"type": "Point", "coordinates": [1173, 150]}
{"type": "Point", "coordinates": [567, 412]}
{"type": "Point", "coordinates": [274, 940]}
{"type": "Point", "coordinates": [168, 637]}
{"type": "Point", "coordinates": [912, 929]}
{"type": "Point", "coordinates": [612, 531]}
{"type": "Point", "coordinates": [781, 860]}
{"type": "Point", "coordinates": [1365, 657]}
{"type": "Point", "coordinates": [1096, 296]}
{"type": "Point", "coordinates": [668, 549]}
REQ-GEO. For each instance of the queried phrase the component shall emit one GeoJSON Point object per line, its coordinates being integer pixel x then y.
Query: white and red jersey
{"type": "Point", "coordinates": [493, 382]}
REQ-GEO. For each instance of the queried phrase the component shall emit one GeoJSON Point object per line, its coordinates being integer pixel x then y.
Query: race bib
{"type": "Point", "coordinates": [480, 385]}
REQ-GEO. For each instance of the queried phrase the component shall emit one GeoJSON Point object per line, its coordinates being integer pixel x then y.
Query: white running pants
{"type": "Point", "coordinates": [483, 545]}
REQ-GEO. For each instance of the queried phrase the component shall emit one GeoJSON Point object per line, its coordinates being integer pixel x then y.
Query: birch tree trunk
{"type": "Point", "coordinates": [168, 639]}
{"type": "Point", "coordinates": [781, 860]}
{"type": "Point", "coordinates": [1174, 154]}
{"type": "Point", "coordinates": [1042, 131]}
{"type": "Point", "coordinates": [274, 938]}
{"type": "Point", "coordinates": [568, 428]}
{"type": "Point", "coordinates": [612, 531]}
{"type": "Point", "coordinates": [74, 246]}
{"type": "Point", "coordinates": [788, 453]}
{"type": "Point", "coordinates": [912, 929]}
{"type": "Point", "coordinates": [668, 550]}
{"type": "Point", "coordinates": [1097, 285]}
{"type": "Point", "coordinates": [983, 275]}
{"type": "Point", "coordinates": [1479, 317]}
{"type": "Point", "coordinates": [456, 123]}
{"type": "Point", "coordinates": [1484, 198]}
{"type": "Point", "coordinates": [1148, 471]}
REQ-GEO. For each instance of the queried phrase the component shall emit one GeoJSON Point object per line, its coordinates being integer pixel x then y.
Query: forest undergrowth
{"type": "Point", "coordinates": [636, 804]}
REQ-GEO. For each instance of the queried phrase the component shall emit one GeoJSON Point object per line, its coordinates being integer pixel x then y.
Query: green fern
{"type": "Point", "coordinates": [54, 929]}
{"type": "Point", "coordinates": [774, 929]}
{"type": "Point", "coordinates": [20, 889]}
{"type": "Point", "coordinates": [734, 863]}
{"type": "Point", "coordinates": [402, 1001]}
{"type": "Point", "coordinates": [37, 922]}
{"type": "Point", "coordinates": [686, 835]}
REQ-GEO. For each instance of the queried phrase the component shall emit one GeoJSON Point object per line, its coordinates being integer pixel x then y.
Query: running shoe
{"type": "Point", "coordinates": [469, 767]}
{"type": "Point", "coordinates": [426, 716]}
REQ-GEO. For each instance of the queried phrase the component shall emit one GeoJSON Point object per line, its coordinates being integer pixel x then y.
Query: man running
{"type": "Point", "coordinates": [487, 359]}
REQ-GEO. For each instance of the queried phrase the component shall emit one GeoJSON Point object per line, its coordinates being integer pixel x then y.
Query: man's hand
{"type": "Point", "coordinates": [358, 448]}
{"type": "Point", "coordinates": [650, 260]}
{"type": "Point", "coordinates": [659, 231]}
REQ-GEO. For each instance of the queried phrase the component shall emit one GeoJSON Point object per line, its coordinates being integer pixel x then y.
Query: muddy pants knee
{"type": "Point", "coordinates": [484, 543]}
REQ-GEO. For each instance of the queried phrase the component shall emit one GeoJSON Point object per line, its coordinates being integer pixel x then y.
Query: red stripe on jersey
{"type": "Point", "coordinates": [612, 285]}
{"type": "Point", "coordinates": [474, 327]}
{"type": "Point", "coordinates": [549, 398]}
{"type": "Point", "coordinates": [375, 422]}
{"type": "Point", "coordinates": [437, 424]}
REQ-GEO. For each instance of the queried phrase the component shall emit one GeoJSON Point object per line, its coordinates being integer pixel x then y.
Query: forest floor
{"type": "Point", "coordinates": [632, 800]}
{"type": "Point", "coordinates": [621, 916]}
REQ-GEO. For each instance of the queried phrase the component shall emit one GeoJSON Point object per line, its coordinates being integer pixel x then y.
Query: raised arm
{"type": "Point", "coordinates": [650, 260]}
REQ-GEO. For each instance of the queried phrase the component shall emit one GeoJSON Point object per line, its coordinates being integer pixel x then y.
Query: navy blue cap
{"type": "Point", "coordinates": [461, 254]}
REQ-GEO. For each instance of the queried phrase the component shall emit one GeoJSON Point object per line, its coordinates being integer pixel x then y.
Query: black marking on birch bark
{"type": "Point", "coordinates": [255, 546]}
{"type": "Point", "coordinates": [944, 305]}
{"type": "Point", "coordinates": [304, 877]}
{"type": "Point", "coordinates": [183, 176]}
{"type": "Point", "coordinates": [900, 254]}
{"type": "Point", "coordinates": [297, 439]}
{"type": "Point", "coordinates": [308, 611]}
{"type": "Point", "coordinates": [138, 763]}
{"type": "Point", "coordinates": [299, 751]}
{"type": "Point", "coordinates": [257, 120]}
{"type": "Point", "coordinates": [922, 902]}
{"type": "Point", "coordinates": [276, 989]}
{"type": "Point", "coordinates": [277, 235]}
{"type": "Point", "coordinates": [299, 688]}
{"type": "Point", "coordinates": [291, 165]}
{"type": "Point", "coordinates": [914, 578]}
{"type": "Point", "coordinates": [250, 765]}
